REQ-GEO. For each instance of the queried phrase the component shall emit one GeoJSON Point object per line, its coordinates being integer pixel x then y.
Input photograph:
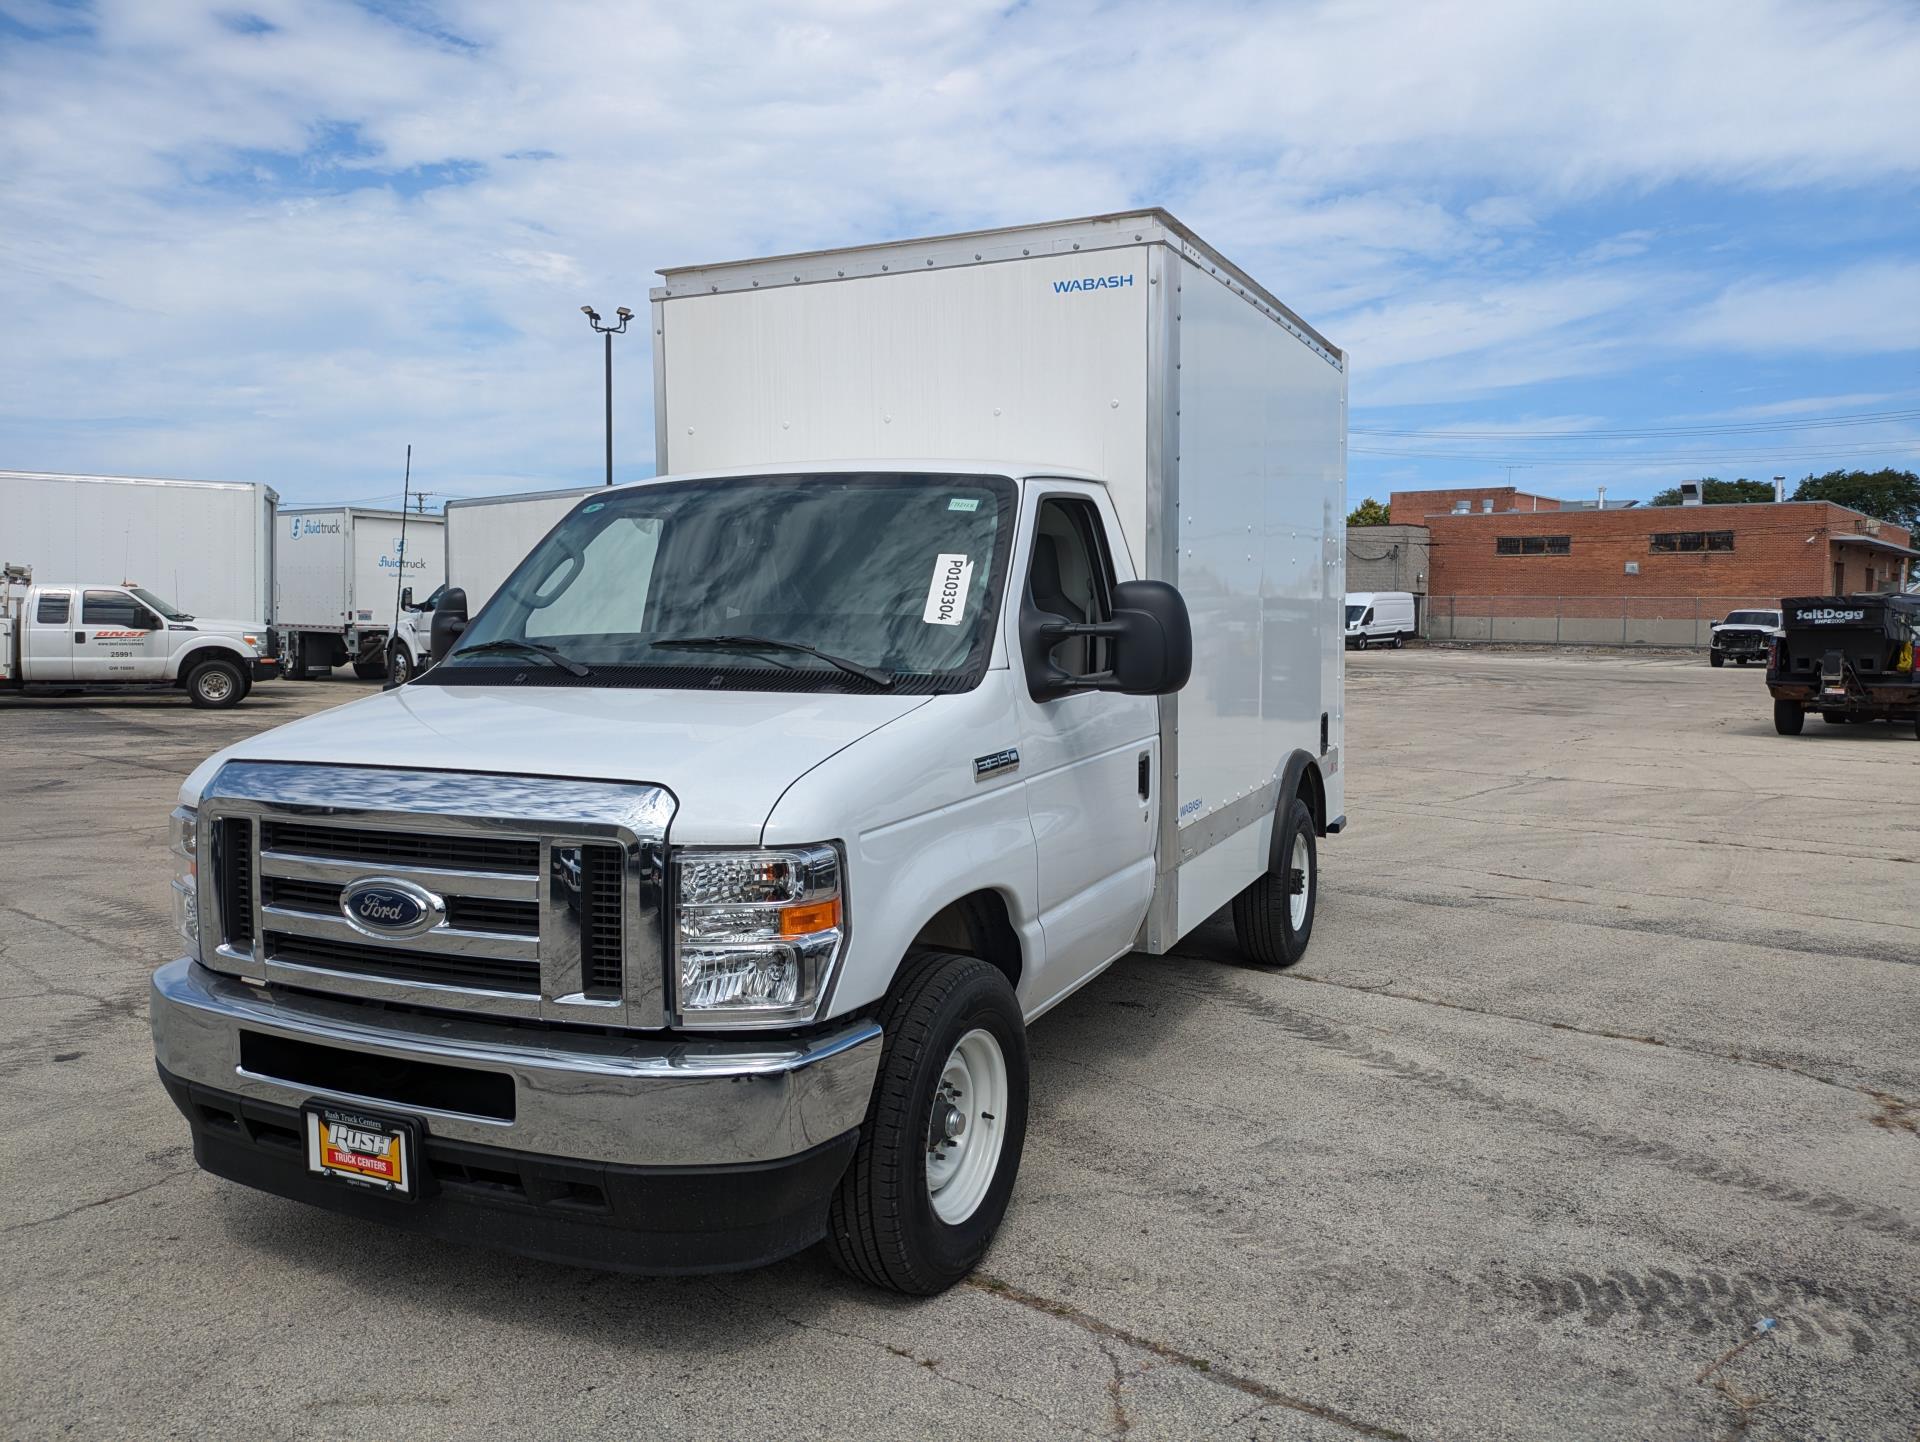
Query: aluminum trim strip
{"type": "Point", "coordinates": [441, 941]}
{"type": "Point", "coordinates": [496, 885]}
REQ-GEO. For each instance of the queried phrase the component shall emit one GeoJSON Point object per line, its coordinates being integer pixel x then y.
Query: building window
{"type": "Point", "coordinates": [1690, 541]}
{"type": "Point", "coordinates": [1533, 546]}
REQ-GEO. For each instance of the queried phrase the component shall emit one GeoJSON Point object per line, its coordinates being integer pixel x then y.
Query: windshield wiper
{"type": "Point", "coordinates": [769, 643]}
{"type": "Point", "coordinates": [538, 648]}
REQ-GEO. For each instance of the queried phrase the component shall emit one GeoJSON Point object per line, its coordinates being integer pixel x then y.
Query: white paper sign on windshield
{"type": "Point", "coordinates": [947, 594]}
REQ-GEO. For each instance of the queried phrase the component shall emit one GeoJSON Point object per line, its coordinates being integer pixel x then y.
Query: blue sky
{"type": "Point", "coordinates": [1607, 244]}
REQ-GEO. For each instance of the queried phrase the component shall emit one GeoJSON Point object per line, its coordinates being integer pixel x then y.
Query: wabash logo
{"type": "Point", "coordinates": [1091, 282]}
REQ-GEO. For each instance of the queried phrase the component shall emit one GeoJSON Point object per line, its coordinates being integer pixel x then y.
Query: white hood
{"type": "Point", "coordinates": [726, 756]}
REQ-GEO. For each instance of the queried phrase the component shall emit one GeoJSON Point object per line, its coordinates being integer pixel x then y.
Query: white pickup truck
{"type": "Point", "coordinates": [67, 640]}
{"type": "Point", "coordinates": [692, 908]}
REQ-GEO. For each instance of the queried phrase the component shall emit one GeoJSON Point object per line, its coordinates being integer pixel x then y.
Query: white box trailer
{"type": "Point", "coordinates": [207, 547]}
{"type": "Point", "coordinates": [487, 536]}
{"type": "Point", "coordinates": [340, 575]}
{"type": "Point", "coordinates": [1122, 346]}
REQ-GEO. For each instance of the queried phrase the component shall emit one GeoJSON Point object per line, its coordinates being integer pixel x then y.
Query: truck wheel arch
{"type": "Point", "coordinates": [212, 651]}
{"type": "Point", "coordinates": [977, 924]}
{"type": "Point", "coordinates": [1301, 777]}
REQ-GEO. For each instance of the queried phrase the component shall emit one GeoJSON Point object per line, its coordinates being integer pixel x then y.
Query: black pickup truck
{"type": "Point", "coordinates": [1850, 658]}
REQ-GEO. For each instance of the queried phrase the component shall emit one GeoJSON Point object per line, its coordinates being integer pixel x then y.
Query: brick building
{"type": "Point", "coordinates": [1656, 574]}
{"type": "Point", "coordinates": [1411, 508]}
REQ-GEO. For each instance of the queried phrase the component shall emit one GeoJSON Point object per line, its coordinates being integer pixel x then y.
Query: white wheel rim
{"type": "Point", "coordinates": [216, 685]}
{"type": "Point", "coordinates": [1302, 863]}
{"type": "Point", "coordinates": [966, 1126]}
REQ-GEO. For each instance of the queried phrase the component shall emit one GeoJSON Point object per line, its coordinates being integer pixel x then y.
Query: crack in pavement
{"type": "Point", "coordinates": [1199, 1366]}
{"type": "Point", "coordinates": [1895, 1113]}
{"type": "Point", "coordinates": [101, 1202]}
{"type": "Point", "coordinates": [1319, 1031]}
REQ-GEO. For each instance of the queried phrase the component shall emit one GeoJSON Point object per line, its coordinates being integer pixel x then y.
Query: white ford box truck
{"type": "Point", "coordinates": [693, 907]}
{"type": "Point", "coordinates": [355, 585]}
{"type": "Point", "coordinates": [79, 639]}
{"type": "Point", "coordinates": [207, 546]}
{"type": "Point", "coordinates": [487, 536]}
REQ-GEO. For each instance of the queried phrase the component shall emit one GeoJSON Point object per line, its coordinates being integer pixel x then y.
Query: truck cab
{"type": "Point", "coordinates": [80, 638]}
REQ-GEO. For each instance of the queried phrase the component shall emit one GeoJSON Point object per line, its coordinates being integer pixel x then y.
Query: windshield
{"type": "Point", "coordinates": [1354, 613]}
{"type": "Point", "coordinates": [1752, 618]}
{"type": "Point", "coordinates": [898, 573]}
{"type": "Point", "coordinates": [153, 601]}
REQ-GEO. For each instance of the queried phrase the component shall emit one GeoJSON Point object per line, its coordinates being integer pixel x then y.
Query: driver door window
{"type": "Point", "coordinates": [123, 640]}
{"type": "Point", "coordinates": [1070, 576]}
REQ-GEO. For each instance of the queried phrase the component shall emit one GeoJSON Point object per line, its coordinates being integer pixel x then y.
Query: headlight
{"type": "Point", "coordinates": [759, 933]}
{"type": "Point", "coordinates": [183, 840]}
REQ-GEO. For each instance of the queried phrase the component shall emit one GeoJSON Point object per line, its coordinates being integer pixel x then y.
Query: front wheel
{"type": "Point", "coordinates": [941, 1144]}
{"type": "Point", "coordinates": [372, 670]}
{"type": "Point", "coordinates": [399, 666]}
{"type": "Point", "coordinates": [1788, 718]}
{"type": "Point", "coordinates": [216, 685]}
{"type": "Point", "coordinates": [1715, 659]}
{"type": "Point", "coordinates": [1273, 918]}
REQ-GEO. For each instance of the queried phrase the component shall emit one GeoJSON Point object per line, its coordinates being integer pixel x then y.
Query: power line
{"type": "Point", "coordinates": [1907, 445]}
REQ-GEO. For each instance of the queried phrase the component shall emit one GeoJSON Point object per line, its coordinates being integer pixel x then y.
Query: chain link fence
{"type": "Point", "coordinates": [1682, 621]}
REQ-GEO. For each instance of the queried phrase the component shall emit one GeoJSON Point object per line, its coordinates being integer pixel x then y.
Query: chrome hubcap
{"type": "Point", "coordinates": [1303, 891]}
{"type": "Point", "coordinates": [216, 686]}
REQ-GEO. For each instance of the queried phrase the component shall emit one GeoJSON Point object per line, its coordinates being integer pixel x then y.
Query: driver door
{"type": "Point", "coordinates": [118, 639]}
{"type": "Point", "coordinates": [1090, 758]}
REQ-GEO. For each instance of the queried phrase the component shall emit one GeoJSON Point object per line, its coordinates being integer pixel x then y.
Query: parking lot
{"type": "Point", "coordinates": [1594, 1111]}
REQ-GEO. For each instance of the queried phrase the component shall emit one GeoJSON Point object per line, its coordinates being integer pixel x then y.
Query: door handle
{"type": "Point", "coordinates": [1146, 774]}
{"type": "Point", "coordinates": [79, 638]}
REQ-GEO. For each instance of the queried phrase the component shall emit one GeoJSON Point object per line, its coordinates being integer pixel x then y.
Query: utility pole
{"type": "Point", "coordinates": [609, 331]}
{"type": "Point", "coordinates": [400, 569]}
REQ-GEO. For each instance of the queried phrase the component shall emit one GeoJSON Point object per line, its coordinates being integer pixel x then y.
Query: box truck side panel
{"type": "Point", "coordinates": [1261, 488]}
{"type": "Point", "coordinates": [1038, 359]}
{"type": "Point", "coordinates": [310, 574]}
{"type": "Point", "coordinates": [196, 543]}
{"type": "Point", "coordinates": [377, 564]}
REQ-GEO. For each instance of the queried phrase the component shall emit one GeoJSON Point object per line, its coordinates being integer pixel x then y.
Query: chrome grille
{"type": "Point", "coordinates": [551, 889]}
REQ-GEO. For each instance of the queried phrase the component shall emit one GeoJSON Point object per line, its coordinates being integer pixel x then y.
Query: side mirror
{"type": "Point", "coordinates": [1152, 644]}
{"type": "Point", "coordinates": [449, 621]}
{"type": "Point", "coordinates": [406, 598]}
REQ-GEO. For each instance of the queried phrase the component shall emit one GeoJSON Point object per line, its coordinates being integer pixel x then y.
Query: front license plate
{"type": "Point", "coordinates": [362, 1150]}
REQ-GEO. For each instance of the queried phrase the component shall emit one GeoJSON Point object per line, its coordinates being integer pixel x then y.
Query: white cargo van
{"type": "Point", "coordinates": [346, 589]}
{"type": "Point", "coordinates": [693, 907]}
{"type": "Point", "coordinates": [1379, 616]}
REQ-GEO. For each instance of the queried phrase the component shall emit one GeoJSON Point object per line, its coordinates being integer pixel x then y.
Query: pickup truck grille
{"type": "Point", "coordinates": [544, 914]}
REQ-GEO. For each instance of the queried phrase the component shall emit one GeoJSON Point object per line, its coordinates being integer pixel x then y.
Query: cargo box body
{"type": "Point", "coordinates": [1121, 346]}
{"type": "Point", "coordinates": [341, 567]}
{"type": "Point", "coordinates": [206, 546]}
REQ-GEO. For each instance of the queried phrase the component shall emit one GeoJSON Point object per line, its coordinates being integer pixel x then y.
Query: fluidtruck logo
{"type": "Point", "coordinates": [398, 562]}
{"type": "Point", "coordinates": [1091, 282]}
{"type": "Point", "coordinates": [307, 526]}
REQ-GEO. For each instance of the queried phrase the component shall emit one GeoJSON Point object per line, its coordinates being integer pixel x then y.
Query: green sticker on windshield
{"type": "Point", "coordinates": [963, 503]}
{"type": "Point", "coordinates": [596, 506]}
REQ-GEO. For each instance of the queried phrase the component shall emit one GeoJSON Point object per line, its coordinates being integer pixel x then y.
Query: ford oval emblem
{"type": "Point", "coordinates": [388, 908]}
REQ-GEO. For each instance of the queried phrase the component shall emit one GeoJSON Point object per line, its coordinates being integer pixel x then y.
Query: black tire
{"type": "Point", "coordinates": [1788, 718]}
{"type": "Point", "coordinates": [1398, 640]}
{"type": "Point", "coordinates": [293, 659]}
{"type": "Point", "coordinates": [1715, 659]}
{"type": "Point", "coordinates": [1740, 660]}
{"type": "Point", "coordinates": [399, 666]}
{"type": "Point", "coordinates": [1834, 718]}
{"type": "Point", "coordinates": [1263, 914]}
{"type": "Point", "coordinates": [215, 685]}
{"type": "Point", "coordinates": [881, 1223]}
{"type": "Point", "coordinates": [1363, 643]}
{"type": "Point", "coordinates": [1916, 725]}
{"type": "Point", "coordinates": [374, 670]}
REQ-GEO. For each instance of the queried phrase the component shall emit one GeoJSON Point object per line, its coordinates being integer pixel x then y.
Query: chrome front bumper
{"type": "Point", "coordinates": [633, 1100]}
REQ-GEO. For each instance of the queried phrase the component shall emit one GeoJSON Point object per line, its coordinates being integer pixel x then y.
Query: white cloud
{"type": "Point", "coordinates": [189, 289]}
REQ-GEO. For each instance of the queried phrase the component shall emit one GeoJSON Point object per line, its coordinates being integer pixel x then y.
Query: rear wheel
{"type": "Point", "coordinates": [941, 1144]}
{"type": "Point", "coordinates": [293, 663]}
{"type": "Point", "coordinates": [216, 685]}
{"type": "Point", "coordinates": [1398, 640]}
{"type": "Point", "coordinates": [1273, 918]}
{"type": "Point", "coordinates": [1834, 718]}
{"type": "Point", "coordinates": [370, 670]}
{"type": "Point", "coordinates": [1788, 718]}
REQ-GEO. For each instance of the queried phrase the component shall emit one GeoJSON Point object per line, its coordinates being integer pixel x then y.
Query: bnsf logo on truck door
{"type": "Point", "coordinates": [1091, 282]}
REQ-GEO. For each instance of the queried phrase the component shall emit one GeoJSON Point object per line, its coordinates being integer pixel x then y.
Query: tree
{"type": "Point", "coordinates": [1368, 513]}
{"type": "Point", "coordinates": [1887, 494]}
{"type": "Point", "coordinates": [1717, 492]}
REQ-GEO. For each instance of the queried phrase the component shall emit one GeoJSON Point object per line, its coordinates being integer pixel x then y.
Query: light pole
{"type": "Point", "coordinates": [609, 331]}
